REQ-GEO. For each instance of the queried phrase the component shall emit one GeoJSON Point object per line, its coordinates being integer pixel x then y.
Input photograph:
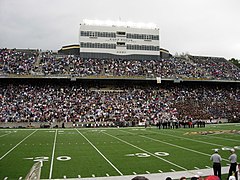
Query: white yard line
{"type": "Point", "coordinates": [100, 152]}
{"type": "Point", "coordinates": [5, 134]}
{"type": "Point", "coordinates": [17, 145]}
{"type": "Point", "coordinates": [213, 136]}
{"type": "Point", "coordinates": [53, 152]}
{"type": "Point", "coordinates": [180, 167]}
{"type": "Point", "coordinates": [188, 139]}
{"type": "Point", "coordinates": [174, 145]}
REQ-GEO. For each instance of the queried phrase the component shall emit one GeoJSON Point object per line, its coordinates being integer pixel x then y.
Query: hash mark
{"type": "Point", "coordinates": [148, 172]}
{"type": "Point", "coordinates": [160, 171]}
{"type": "Point", "coordinates": [93, 175]}
{"type": "Point", "coordinates": [107, 175]}
{"type": "Point", "coordinates": [134, 173]}
{"type": "Point", "coordinates": [196, 168]}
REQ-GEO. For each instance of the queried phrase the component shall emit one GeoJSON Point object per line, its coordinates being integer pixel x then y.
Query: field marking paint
{"type": "Point", "coordinates": [93, 175]}
{"type": "Point", "coordinates": [146, 151]}
{"type": "Point", "coordinates": [189, 139]}
{"type": "Point", "coordinates": [212, 136]}
{"type": "Point", "coordinates": [173, 170]}
{"type": "Point", "coordinates": [147, 172]}
{"type": "Point", "coordinates": [208, 167]}
{"type": "Point", "coordinates": [31, 158]}
{"type": "Point", "coordinates": [107, 175]}
{"type": "Point", "coordinates": [53, 151]}
{"type": "Point", "coordinates": [17, 145]}
{"type": "Point", "coordinates": [174, 145]}
{"type": "Point", "coordinates": [5, 178]}
{"type": "Point", "coordinates": [134, 173]}
{"type": "Point", "coordinates": [5, 134]}
{"type": "Point", "coordinates": [63, 158]}
{"type": "Point", "coordinates": [79, 176]}
{"type": "Point", "coordinates": [196, 168]}
{"type": "Point", "coordinates": [160, 171]}
{"type": "Point", "coordinates": [100, 152]}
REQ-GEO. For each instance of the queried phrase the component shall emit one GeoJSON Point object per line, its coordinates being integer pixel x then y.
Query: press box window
{"type": "Point", "coordinates": [120, 33]}
{"type": "Point", "coordinates": [120, 43]}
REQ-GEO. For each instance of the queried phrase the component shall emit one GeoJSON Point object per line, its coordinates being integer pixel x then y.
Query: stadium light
{"type": "Point", "coordinates": [119, 23]}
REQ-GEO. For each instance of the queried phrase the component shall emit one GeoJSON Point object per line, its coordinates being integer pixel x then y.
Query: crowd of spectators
{"type": "Point", "coordinates": [189, 67]}
{"type": "Point", "coordinates": [77, 103]}
{"type": "Point", "coordinates": [17, 62]}
{"type": "Point", "coordinates": [217, 67]}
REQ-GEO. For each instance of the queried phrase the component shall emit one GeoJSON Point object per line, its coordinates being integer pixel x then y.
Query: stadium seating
{"type": "Point", "coordinates": [78, 103]}
{"type": "Point", "coordinates": [36, 103]}
{"type": "Point", "coordinates": [186, 67]}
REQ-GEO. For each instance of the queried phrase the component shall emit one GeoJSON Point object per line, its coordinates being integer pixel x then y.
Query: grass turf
{"type": "Point", "coordinates": [112, 151]}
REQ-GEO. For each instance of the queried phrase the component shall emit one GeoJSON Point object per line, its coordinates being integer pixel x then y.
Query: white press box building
{"type": "Point", "coordinates": [108, 39]}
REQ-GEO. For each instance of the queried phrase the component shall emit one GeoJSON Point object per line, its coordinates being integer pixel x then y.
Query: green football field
{"type": "Point", "coordinates": [96, 152]}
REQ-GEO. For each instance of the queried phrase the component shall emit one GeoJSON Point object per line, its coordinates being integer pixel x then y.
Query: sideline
{"type": "Point", "coordinates": [158, 176]}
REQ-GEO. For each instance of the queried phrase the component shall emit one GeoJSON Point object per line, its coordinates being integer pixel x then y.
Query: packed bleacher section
{"type": "Point", "coordinates": [78, 103]}
{"type": "Point", "coordinates": [186, 67]}
{"type": "Point", "coordinates": [217, 67]}
{"type": "Point", "coordinates": [13, 61]}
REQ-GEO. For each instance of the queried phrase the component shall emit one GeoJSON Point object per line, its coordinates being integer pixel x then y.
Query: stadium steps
{"type": "Point", "coordinates": [159, 176]}
{"type": "Point", "coordinates": [36, 65]}
{"type": "Point", "coordinates": [38, 60]}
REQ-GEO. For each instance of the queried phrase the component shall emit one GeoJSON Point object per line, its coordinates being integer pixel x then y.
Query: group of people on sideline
{"type": "Point", "coordinates": [234, 173]}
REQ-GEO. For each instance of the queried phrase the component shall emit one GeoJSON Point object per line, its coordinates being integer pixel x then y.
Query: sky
{"type": "Point", "coordinates": [196, 27]}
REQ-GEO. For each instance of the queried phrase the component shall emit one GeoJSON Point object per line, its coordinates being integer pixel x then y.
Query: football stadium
{"type": "Point", "coordinates": [116, 106]}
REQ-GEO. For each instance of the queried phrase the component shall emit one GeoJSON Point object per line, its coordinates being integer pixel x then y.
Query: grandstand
{"type": "Point", "coordinates": [117, 76]}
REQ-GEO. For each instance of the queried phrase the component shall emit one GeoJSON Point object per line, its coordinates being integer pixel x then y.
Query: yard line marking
{"type": "Point", "coordinates": [134, 173]}
{"type": "Point", "coordinates": [147, 172]}
{"type": "Point", "coordinates": [146, 152]}
{"type": "Point", "coordinates": [28, 158]}
{"type": "Point", "coordinates": [189, 139]}
{"type": "Point", "coordinates": [212, 136]}
{"type": "Point", "coordinates": [160, 171]}
{"type": "Point", "coordinates": [175, 145]}
{"type": "Point", "coordinates": [53, 151]}
{"type": "Point", "coordinates": [107, 175]}
{"type": "Point", "coordinates": [5, 134]}
{"type": "Point", "coordinates": [173, 170]}
{"type": "Point", "coordinates": [196, 168]}
{"type": "Point", "coordinates": [100, 152]}
{"type": "Point", "coordinates": [17, 145]}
